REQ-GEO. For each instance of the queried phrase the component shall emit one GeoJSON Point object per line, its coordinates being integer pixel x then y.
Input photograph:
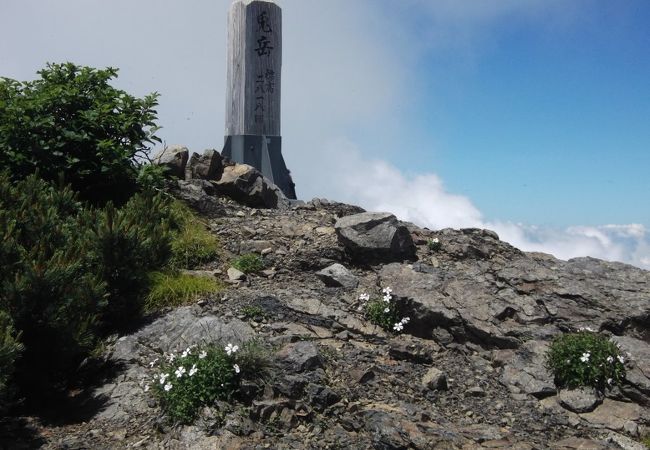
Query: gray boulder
{"type": "Point", "coordinates": [337, 275]}
{"type": "Point", "coordinates": [246, 184]}
{"type": "Point", "coordinates": [581, 400]}
{"type": "Point", "coordinates": [174, 158]}
{"type": "Point", "coordinates": [526, 372]}
{"type": "Point", "coordinates": [200, 195]}
{"type": "Point", "coordinates": [375, 237]}
{"type": "Point", "coordinates": [207, 166]}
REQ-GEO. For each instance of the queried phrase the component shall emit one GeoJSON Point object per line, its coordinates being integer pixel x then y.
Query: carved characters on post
{"type": "Point", "coordinates": [265, 81]}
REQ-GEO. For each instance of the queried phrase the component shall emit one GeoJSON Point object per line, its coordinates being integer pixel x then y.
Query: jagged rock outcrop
{"type": "Point", "coordinates": [202, 177]}
{"type": "Point", "coordinates": [467, 372]}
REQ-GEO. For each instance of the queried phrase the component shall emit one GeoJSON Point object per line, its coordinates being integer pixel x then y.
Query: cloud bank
{"type": "Point", "coordinates": [422, 199]}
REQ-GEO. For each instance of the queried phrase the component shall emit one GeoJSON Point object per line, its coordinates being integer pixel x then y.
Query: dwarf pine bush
{"type": "Point", "coordinates": [586, 359]}
{"type": "Point", "coordinates": [71, 272]}
{"type": "Point", "coordinates": [10, 349]}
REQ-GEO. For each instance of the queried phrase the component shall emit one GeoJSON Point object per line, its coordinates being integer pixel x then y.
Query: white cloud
{"type": "Point", "coordinates": [376, 185]}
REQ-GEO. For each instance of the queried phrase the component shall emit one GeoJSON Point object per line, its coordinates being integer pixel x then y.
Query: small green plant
{"type": "Point", "coordinates": [383, 312]}
{"type": "Point", "coordinates": [249, 263]}
{"type": "Point", "coordinates": [585, 358]}
{"type": "Point", "coordinates": [192, 244]}
{"type": "Point", "coordinates": [201, 375]}
{"type": "Point", "coordinates": [434, 244]}
{"type": "Point", "coordinates": [253, 312]}
{"type": "Point", "coordinates": [176, 289]}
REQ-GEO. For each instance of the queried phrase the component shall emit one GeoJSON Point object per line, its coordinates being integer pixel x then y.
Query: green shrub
{"type": "Point", "coordinates": [176, 289]}
{"type": "Point", "coordinates": [585, 358]}
{"type": "Point", "coordinates": [72, 121]}
{"type": "Point", "coordinates": [383, 312]}
{"type": "Point", "coordinates": [192, 244]}
{"type": "Point", "coordinates": [10, 349]}
{"type": "Point", "coordinates": [200, 376]}
{"type": "Point", "coordinates": [249, 263]}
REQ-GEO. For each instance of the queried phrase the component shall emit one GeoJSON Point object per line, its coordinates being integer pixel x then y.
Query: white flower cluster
{"type": "Point", "coordinates": [182, 371]}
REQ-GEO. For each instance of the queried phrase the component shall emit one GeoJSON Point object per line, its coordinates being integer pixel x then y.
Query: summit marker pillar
{"type": "Point", "coordinates": [253, 90]}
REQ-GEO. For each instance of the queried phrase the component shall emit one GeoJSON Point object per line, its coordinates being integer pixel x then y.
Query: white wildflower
{"type": "Point", "coordinates": [153, 363]}
{"type": "Point", "coordinates": [180, 372]}
{"type": "Point", "coordinates": [585, 357]}
{"type": "Point", "coordinates": [203, 354]}
{"type": "Point", "coordinates": [610, 381]}
{"type": "Point", "coordinates": [387, 310]}
{"type": "Point", "coordinates": [230, 349]}
{"type": "Point", "coordinates": [171, 358]}
{"type": "Point", "coordinates": [399, 326]}
{"type": "Point", "coordinates": [387, 291]}
{"type": "Point", "coordinates": [621, 359]}
{"type": "Point", "coordinates": [387, 298]}
{"type": "Point", "coordinates": [364, 297]}
{"type": "Point", "coordinates": [193, 370]}
{"type": "Point", "coordinates": [163, 378]}
{"type": "Point", "coordinates": [146, 388]}
{"type": "Point", "coordinates": [168, 387]}
{"type": "Point", "coordinates": [236, 367]}
{"type": "Point", "coordinates": [610, 359]}
{"type": "Point", "coordinates": [187, 351]}
{"type": "Point", "coordinates": [406, 320]}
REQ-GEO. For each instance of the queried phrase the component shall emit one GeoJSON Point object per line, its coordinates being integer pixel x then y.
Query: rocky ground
{"type": "Point", "coordinates": [467, 372]}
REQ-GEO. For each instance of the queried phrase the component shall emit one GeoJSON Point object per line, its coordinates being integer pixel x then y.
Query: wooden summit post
{"type": "Point", "coordinates": [253, 97]}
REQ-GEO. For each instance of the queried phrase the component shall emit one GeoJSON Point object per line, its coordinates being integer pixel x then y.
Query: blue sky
{"type": "Point", "coordinates": [529, 117]}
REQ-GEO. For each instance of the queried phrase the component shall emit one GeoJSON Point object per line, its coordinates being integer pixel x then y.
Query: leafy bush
{"type": "Point", "coordinates": [585, 358]}
{"type": "Point", "coordinates": [72, 121]}
{"type": "Point", "coordinates": [200, 376]}
{"type": "Point", "coordinates": [176, 289]}
{"type": "Point", "coordinates": [249, 263]}
{"type": "Point", "coordinates": [192, 244]}
{"type": "Point", "coordinates": [384, 313]}
{"type": "Point", "coordinates": [10, 349]}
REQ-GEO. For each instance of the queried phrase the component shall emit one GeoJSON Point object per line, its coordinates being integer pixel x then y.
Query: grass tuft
{"type": "Point", "coordinates": [193, 244]}
{"type": "Point", "coordinates": [177, 289]}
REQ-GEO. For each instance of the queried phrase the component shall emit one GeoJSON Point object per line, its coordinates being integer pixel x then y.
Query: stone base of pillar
{"type": "Point", "coordinates": [265, 154]}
